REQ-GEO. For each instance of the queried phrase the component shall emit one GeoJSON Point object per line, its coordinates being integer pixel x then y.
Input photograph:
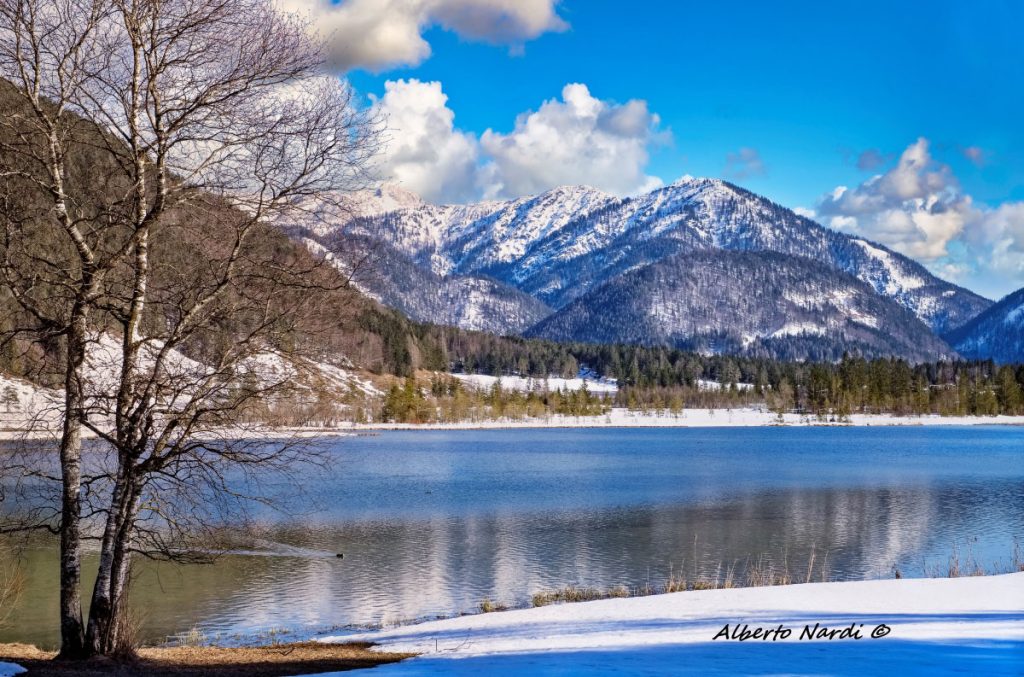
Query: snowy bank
{"type": "Point", "coordinates": [698, 418]}
{"type": "Point", "coordinates": [931, 626]}
{"type": "Point", "coordinates": [616, 418]}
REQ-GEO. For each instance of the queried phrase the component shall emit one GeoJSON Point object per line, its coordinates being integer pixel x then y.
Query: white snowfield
{"type": "Point", "coordinates": [596, 386]}
{"type": "Point", "coordinates": [969, 626]}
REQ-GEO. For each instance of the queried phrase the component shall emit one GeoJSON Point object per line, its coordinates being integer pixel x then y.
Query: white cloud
{"type": "Point", "coordinates": [423, 151]}
{"type": "Point", "coordinates": [744, 163]}
{"type": "Point", "coordinates": [580, 139]}
{"type": "Point", "coordinates": [919, 209]}
{"type": "Point", "coordinates": [915, 207]}
{"type": "Point", "coordinates": [805, 212]}
{"type": "Point", "coordinates": [379, 34]}
{"type": "Point", "coordinates": [1002, 229]}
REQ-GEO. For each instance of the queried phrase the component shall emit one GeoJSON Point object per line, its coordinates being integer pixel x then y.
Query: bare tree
{"type": "Point", "coordinates": [153, 272]}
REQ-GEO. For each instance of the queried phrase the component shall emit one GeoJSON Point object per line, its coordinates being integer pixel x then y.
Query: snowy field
{"type": "Point", "coordinates": [967, 626]}
{"type": "Point", "coordinates": [531, 384]}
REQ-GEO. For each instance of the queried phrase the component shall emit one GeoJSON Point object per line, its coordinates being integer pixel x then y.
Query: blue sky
{"type": "Point", "coordinates": [804, 98]}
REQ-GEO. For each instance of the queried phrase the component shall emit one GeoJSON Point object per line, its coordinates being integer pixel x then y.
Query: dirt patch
{"type": "Point", "coordinates": [265, 661]}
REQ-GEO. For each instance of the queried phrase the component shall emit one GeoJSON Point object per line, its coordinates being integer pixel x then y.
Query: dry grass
{"type": "Point", "coordinates": [489, 607]}
{"type": "Point", "coordinates": [571, 593]}
{"type": "Point", "coordinates": [285, 659]}
{"type": "Point", "coordinates": [964, 563]}
{"type": "Point", "coordinates": [754, 573]}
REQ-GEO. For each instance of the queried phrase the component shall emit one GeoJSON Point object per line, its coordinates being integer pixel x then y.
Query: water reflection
{"type": "Point", "coordinates": [438, 537]}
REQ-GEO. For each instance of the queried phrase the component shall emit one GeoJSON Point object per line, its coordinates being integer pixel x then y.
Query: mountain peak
{"type": "Point", "coordinates": [389, 197]}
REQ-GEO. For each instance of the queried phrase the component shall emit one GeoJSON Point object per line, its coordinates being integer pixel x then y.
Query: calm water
{"type": "Point", "coordinates": [432, 522]}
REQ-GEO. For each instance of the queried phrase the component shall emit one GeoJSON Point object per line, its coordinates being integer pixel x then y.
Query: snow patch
{"type": "Point", "coordinates": [798, 329]}
{"type": "Point", "coordinates": [896, 280]}
{"type": "Point", "coordinates": [715, 386]}
{"type": "Point", "coordinates": [927, 619]}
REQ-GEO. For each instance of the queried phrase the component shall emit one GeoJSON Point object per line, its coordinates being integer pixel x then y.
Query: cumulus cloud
{"type": "Point", "coordinates": [424, 152]}
{"type": "Point", "coordinates": [744, 163]}
{"type": "Point", "coordinates": [380, 34]}
{"type": "Point", "coordinates": [915, 207]}
{"type": "Point", "coordinates": [919, 209]}
{"type": "Point", "coordinates": [578, 139]}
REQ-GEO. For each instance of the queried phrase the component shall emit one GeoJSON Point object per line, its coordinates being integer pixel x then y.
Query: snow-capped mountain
{"type": "Point", "coordinates": [544, 252]}
{"type": "Point", "coordinates": [997, 334]}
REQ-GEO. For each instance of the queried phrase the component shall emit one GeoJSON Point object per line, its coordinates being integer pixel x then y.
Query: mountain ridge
{"type": "Point", "coordinates": [560, 245]}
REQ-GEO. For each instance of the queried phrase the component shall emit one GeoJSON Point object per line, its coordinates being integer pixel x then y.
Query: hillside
{"type": "Point", "coordinates": [762, 304]}
{"type": "Point", "coordinates": [997, 334]}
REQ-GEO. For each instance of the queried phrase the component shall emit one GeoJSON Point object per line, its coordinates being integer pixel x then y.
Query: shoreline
{"type": "Point", "coordinates": [898, 626]}
{"type": "Point", "coordinates": [617, 418]}
{"type": "Point", "coordinates": [697, 418]}
{"type": "Point", "coordinates": [901, 624]}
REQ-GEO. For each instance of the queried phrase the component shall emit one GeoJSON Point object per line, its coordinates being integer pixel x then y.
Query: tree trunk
{"type": "Point", "coordinates": [106, 633]}
{"type": "Point", "coordinates": [71, 628]}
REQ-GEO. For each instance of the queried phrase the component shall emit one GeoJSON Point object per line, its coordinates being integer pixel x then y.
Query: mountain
{"type": "Point", "coordinates": [996, 334]}
{"type": "Point", "coordinates": [755, 303]}
{"type": "Point", "coordinates": [558, 247]}
{"type": "Point", "coordinates": [697, 214]}
{"type": "Point", "coordinates": [474, 302]}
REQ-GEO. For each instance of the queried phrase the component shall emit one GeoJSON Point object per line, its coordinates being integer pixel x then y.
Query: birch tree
{"type": "Point", "coordinates": [157, 273]}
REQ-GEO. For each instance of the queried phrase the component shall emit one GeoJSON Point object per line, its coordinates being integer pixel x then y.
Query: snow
{"type": "Point", "coordinates": [9, 669]}
{"type": "Point", "coordinates": [533, 384]}
{"type": "Point", "coordinates": [799, 329]}
{"type": "Point", "coordinates": [699, 418]}
{"type": "Point", "coordinates": [27, 406]}
{"type": "Point", "coordinates": [36, 412]}
{"type": "Point", "coordinates": [715, 386]}
{"type": "Point", "coordinates": [936, 626]}
{"type": "Point", "coordinates": [897, 281]}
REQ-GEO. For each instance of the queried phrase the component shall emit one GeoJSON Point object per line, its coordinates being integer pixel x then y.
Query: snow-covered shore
{"type": "Point", "coordinates": [931, 626]}
{"type": "Point", "coordinates": [617, 418]}
{"type": "Point", "coordinates": [698, 418]}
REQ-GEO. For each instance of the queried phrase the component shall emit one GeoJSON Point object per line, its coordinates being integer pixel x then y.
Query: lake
{"type": "Point", "coordinates": [430, 523]}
